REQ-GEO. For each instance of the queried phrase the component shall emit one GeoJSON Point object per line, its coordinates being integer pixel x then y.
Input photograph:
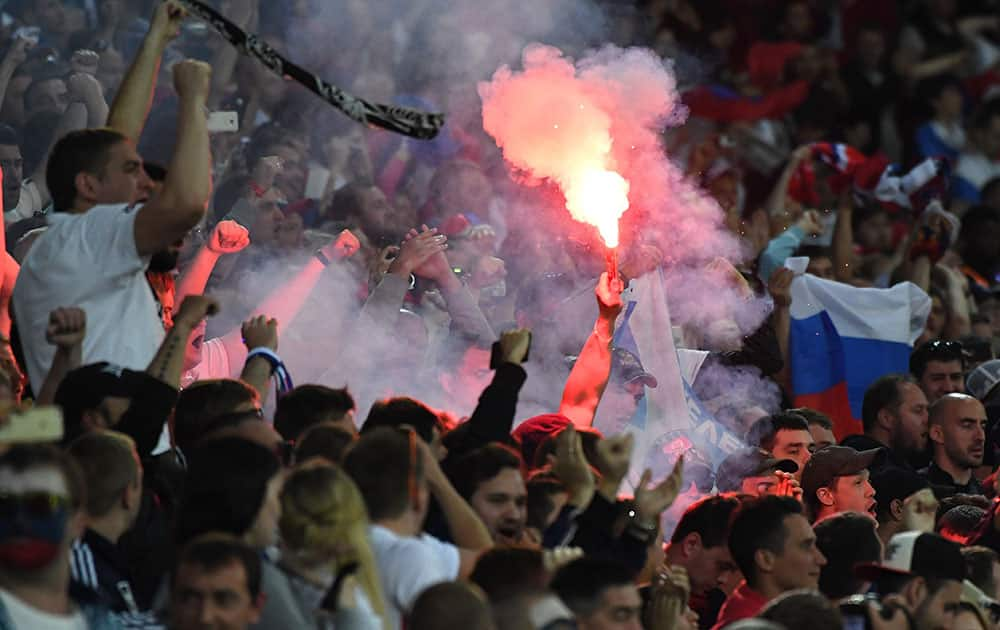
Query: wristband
{"type": "Point", "coordinates": [320, 256]}
{"type": "Point", "coordinates": [282, 379]}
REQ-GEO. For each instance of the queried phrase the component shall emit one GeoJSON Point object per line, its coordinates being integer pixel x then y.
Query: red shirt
{"type": "Point", "coordinates": [742, 604]}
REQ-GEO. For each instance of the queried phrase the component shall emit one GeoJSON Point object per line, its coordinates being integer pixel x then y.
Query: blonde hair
{"type": "Point", "coordinates": [322, 508]}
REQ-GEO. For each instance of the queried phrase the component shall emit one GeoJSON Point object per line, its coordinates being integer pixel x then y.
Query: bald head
{"type": "Point", "coordinates": [958, 431]}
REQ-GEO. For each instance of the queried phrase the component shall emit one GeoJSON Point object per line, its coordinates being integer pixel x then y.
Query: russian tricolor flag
{"type": "Point", "coordinates": [843, 338]}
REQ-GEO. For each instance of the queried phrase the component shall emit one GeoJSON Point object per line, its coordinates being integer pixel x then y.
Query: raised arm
{"type": "Point", "coordinates": [227, 237]}
{"type": "Point", "coordinates": [843, 241]}
{"type": "Point", "coordinates": [66, 330]}
{"type": "Point", "coordinates": [589, 376]}
{"type": "Point", "coordinates": [467, 529]}
{"type": "Point", "coordinates": [168, 363]}
{"type": "Point", "coordinates": [135, 96]}
{"type": "Point", "coordinates": [181, 203]}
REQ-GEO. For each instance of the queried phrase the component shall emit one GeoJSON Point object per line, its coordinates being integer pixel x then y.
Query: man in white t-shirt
{"type": "Point", "coordinates": [99, 243]}
{"type": "Point", "coordinates": [40, 491]}
{"type": "Point", "coordinates": [397, 474]}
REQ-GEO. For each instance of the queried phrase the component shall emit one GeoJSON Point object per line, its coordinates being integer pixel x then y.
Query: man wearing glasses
{"type": "Point", "coordinates": [40, 517]}
{"type": "Point", "coordinates": [939, 367]}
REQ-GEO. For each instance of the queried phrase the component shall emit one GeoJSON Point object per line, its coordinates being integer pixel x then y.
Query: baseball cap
{"type": "Point", "coordinates": [835, 461]}
{"type": "Point", "coordinates": [627, 368]}
{"type": "Point", "coordinates": [892, 483]}
{"type": "Point", "coordinates": [985, 608]}
{"type": "Point", "coordinates": [85, 387]}
{"type": "Point", "coordinates": [749, 462]}
{"type": "Point", "coordinates": [983, 379]}
{"type": "Point", "coordinates": [920, 554]}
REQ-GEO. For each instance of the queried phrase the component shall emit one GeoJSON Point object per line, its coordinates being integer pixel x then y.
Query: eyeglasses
{"type": "Point", "coordinates": [31, 504]}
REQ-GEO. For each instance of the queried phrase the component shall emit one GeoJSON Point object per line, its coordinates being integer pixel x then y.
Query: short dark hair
{"type": "Point", "coordinates": [711, 518]}
{"type": "Point", "coordinates": [327, 440]}
{"type": "Point", "coordinates": [204, 401]}
{"type": "Point", "coordinates": [154, 171]}
{"type": "Point", "coordinates": [882, 394]}
{"type": "Point", "coordinates": [226, 485]}
{"type": "Point", "coordinates": [307, 405]}
{"type": "Point", "coordinates": [846, 539]}
{"type": "Point", "coordinates": [82, 151]}
{"type": "Point", "coordinates": [480, 465]}
{"type": "Point", "coordinates": [109, 464]}
{"type": "Point", "coordinates": [814, 417]}
{"type": "Point", "coordinates": [581, 583]}
{"type": "Point", "coordinates": [803, 608]}
{"type": "Point", "coordinates": [936, 350]}
{"type": "Point", "coordinates": [763, 432]}
{"type": "Point", "coordinates": [403, 410]}
{"type": "Point", "coordinates": [760, 524]}
{"type": "Point", "coordinates": [215, 550]}
{"type": "Point", "coordinates": [979, 563]}
{"type": "Point", "coordinates": [450, 605]}
{"type": "Point", "coordinates": [24, 457]}
{"type": "Point", "coordinates": [384, 469]}
{"type": "Point", "coordinates": [506, 572]}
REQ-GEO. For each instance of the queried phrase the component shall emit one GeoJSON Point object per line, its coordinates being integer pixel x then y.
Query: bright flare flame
{"type": "Point", "coordinates": [598, 197]}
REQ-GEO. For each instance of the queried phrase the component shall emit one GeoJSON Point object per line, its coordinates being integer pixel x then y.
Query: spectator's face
{"type": "Point", "coordinates": [798, 21]}
{"type": "Point", "coordinates": [821, 267]}
{"type": "Point", "coordinates": [854, 493]}
{"type": "Point", "coordinates": [110, 71]}
{"type": "Point", "coordinates": [948, 104]}
{"type": "Point", "coordinates": [502, 504]}
{"type": "Point", "coordinates": [620, 609]}
{"type": "Point", "coordinates": [962, 433]}
{"type": "Point", "coordinates": [796, 445]}
{"type": "Point", "coordinates": [707, 567]}
{"type": "Point", "coordinates": [910, 429]}
{"type": "Point", "coordinates": [466, 190]}
{"type": "Point", "coordinates": [216, 599]}
{"type": "Point", "coordinates": [290, 231]}
{"type": "Point", "coordinates": [822, 437]}
{"type": "Point", "coordinates": [940, 378]}
{"type": "Point", "coordinates": [939, 610]}
{"type": "Point", "coordinates": [11, 163]}
{"type": "Point", "coordinates": [759, 486]}
{"type": "Point", "coordinates": [47, 96]}
{"type": "Point", "coordinates": [264, 532]}
{"type": "Point", "coordinates": [267, 220]}
{"type": "Point", "coordinates": [192, 352]}
{"type": "Point", "coordinates": [36, 526]}
{"type": "Point", "coordinates": [798, 565]}
{"type": "Point", "coordinates": [123, 180]}
{"type": "Point", "coordinates": [875, 234]}
{"type": "Point", "coordinates": [375, 211]}
{"type": "Point", "coordinates": [51, 15]}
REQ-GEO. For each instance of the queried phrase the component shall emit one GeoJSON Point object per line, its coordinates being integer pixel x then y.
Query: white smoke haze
{"type": "Point", "coordinates": [457, 52]}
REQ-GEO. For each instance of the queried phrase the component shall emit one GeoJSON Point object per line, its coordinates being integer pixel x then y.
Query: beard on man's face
{"type": "Point", "coordinates": [164, 260]}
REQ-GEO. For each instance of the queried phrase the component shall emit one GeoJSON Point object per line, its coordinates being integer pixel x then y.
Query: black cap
{"type": "Point", "coordinates": [831, 462]}
{"type": "Point", "coordinates": [892, 483]}
{"type": "Point", "coordinates": [918, 553]}
{"type": "Point", "coordinates": [85, 387]}
{"type": "Point", "coordinates": [749, 462]}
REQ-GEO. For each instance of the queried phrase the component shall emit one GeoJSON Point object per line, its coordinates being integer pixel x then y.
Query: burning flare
{"type": "Point", "coordinates": [556, 124]}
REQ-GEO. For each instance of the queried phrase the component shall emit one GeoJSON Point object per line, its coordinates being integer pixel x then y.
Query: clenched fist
{"type": "Point", "coordinates": [228, 237]}
{"type": "Point", "coordinates": [192, 79]}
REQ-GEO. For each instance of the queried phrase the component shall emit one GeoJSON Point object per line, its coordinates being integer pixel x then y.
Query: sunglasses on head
{"type": "Point", "coordinates": [31, 504]}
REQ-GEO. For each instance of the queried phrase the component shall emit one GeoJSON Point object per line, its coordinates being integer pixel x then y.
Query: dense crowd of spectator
{"type": "Point", "coordinates": [151, 261]}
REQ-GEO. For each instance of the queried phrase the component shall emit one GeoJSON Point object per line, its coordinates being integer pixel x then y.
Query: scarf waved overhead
{"type": "Point", "coordinates": [403, 120]}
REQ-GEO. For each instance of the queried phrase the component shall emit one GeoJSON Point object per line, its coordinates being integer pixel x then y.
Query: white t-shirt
{"type": "Point", "coordinates": [24, 616]}
{"type": "Point", "coordinates": [89, 260]}
{"type": "Point", "coordinates": [408, 566]}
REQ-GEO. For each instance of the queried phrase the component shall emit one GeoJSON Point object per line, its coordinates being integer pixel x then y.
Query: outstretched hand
{"type": "Point", "coordinates": [650, 502]}
{"type": "Point", "coordinates": [609, 296]}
